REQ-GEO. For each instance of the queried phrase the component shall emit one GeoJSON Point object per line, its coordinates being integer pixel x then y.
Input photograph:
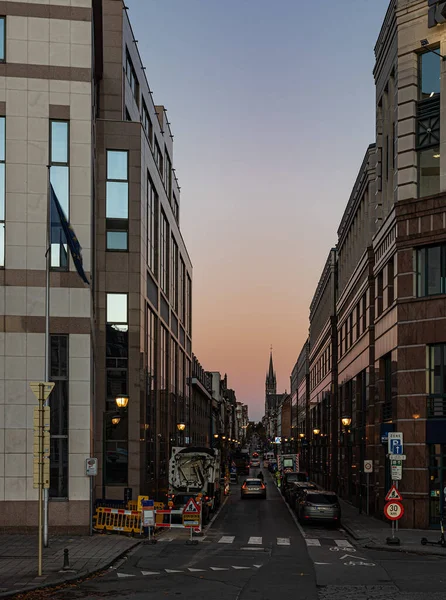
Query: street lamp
{"type": "Point", "coordinates": [181, 426]}
{"type": "Point", "coordinates": [301, 435]}
{"type": "Point", "coordinates": [316, 431]}
{"type": "Point", "coordinates": [122, 401]}
{"type": "Point", "coordinates": [346, 421]}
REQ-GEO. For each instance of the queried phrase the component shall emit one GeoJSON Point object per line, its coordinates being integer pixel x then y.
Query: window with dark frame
{"type": "Point", "coordinates": [436, 380]}
{"type": "Point", "coordinates": [168, 175]}
{"type": "Point", "coordinates": [58, 402]}
{"type": "Point", "coordinates": [60, 180]}
{"type": "Point", "coordinates": [147, 122]}
{"type": "Point", "coordinates": [174, 273]}
{"type": "Point", "coordinates": [117, 200]}
{"type": "Point", "coordinates": [131, 77]}
{"type": "Point", "coordinates": [158, 158]}
{"type": "Point", "coordinates": [429, 71]}
{"type": "Point", "coordinates": [116, 436]}
{"type": "Point", "coordinates": [2, 39]}
{"type": "Point", "coordinates": [431, 270]}
{"type": "Point", "coordinates": [175, 208]}
{"type": "Point", "coordinates": [152, 226]}
{"type": "Point", "coordinates": [150, 425]}
{"type": "Point", "coordinates": [2, 189]}
{"type": "Point", "coordinates": [164, 253]}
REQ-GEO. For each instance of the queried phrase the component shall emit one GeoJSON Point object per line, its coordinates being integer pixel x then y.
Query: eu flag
{"type": "Point", "coordinates": [60, 228]}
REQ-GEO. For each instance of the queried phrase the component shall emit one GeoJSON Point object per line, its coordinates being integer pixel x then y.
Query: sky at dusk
{"type": "Point", "coordinates": [272, 107]}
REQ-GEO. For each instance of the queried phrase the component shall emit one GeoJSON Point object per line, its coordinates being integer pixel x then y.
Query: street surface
{"type": "Point", "coordinates": [254, 550]}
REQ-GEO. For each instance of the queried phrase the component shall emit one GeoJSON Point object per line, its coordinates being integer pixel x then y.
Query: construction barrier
{"type": "Point", "coordinates": [116, 519]}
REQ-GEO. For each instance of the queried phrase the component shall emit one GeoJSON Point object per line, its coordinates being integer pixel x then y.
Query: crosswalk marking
{"type": "Point", "coordinates": [172, 571]}
{"type": "Point", "coordinates": [226, 539]}
{"type": "Point", "coordinates": [149, 573]}
{"type": "Point", "coordinates": [240, 567]}
{"type": "Point", "coordinates": [196, 570]}
{"type": "Point", "coordinates": [125, 575]}
{"type": "Point", "coordinates": [343, 544]}
{"type": "Point", "coordinates": [219, 569]}
{"type": "Point", "coordinates": [283, 541]}
{"type": "Point", "coordinates": [311, 542]}
{"type": "Point", "coordinates": [255, 540]}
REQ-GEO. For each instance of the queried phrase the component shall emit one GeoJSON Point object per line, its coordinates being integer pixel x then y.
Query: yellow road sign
{"type": "Point", "coordinates": [47, 388]}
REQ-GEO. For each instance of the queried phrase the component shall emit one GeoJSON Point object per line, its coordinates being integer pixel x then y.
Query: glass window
{"type": "Point", "coordinates": [158, 158]}
{"type": "Point", "coordinates": [431, 270]}
{"type": "Point", "coordinates": [174, 273]}
{"type": "Point", "coordinates": [117, 240]}
{"type": "Point", "coordinates": [164, 243]}
{"type": "Point", "coordinates": [2, 38]}
{"type": "Point", "coordinates": [59, 142]}
{"type": "Point", "coordinates": [147, 123]}
{"type": "Point", "coordinates": [428, 172]}
{"type": "Point", "coordinates": [117, 200]}
{"type": "Point", "coordinates": [131, 77]}
{"type": "Point", "coordinates": [59, 416]}
{"type": "Point", "coordinates": [117, 308]}
{"type": "Point", "coordinates": [175, 208]}
{"type": "Point", "coordinates": [2, 190]}
{"type": "Point", "coordinates": [429, 72]}
{"type": "Point", "coordinates": [437, 381]}
{"type": "Point", "coordinates": [182, 291]}
{"type": "Point", "coordinates": [168, 175]}
{"type": "Point", "coordinates": [117, 165]}
{"type": "Point", "coordinates": [60, 180]}
{"type": "Point", "coordinates": [152, 226]}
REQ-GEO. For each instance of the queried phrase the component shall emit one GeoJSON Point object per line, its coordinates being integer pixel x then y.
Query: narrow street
{"type": "Point", "coordinates": [256, 550]}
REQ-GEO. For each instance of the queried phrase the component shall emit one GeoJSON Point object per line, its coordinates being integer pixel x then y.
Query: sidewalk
{"type": "Point", "coordinates": [372, 533]}
{"type": "Point", "coordinates": [18, 559]}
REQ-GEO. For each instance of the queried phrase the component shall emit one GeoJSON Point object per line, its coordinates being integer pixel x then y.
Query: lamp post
{"type": "Point", "coordinates": [115, 418]}
{"type": "Point", "coordinates": [180, 427]}
{"type": "Point", "coordinates": [346, 421]}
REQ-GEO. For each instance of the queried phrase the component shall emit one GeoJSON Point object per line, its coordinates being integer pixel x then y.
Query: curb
{"type": "Point", "coordinates": [351, 532]}
{"type": "Point", "coordinates": [78, 577]}
{"type": "Point", "coordinates": [407, 549]}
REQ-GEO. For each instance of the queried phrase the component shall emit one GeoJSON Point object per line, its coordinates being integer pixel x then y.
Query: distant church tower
{"type": "Point", "coordinates": [270, 386]}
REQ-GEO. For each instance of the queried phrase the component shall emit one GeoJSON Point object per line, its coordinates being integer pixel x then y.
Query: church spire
{"type": "Point", "coordinates": [270, 383]}
{"type": "Point", "coordinates": [271, 368]}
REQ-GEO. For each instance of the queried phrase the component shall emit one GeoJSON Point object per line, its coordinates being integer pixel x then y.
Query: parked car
{"type": "Point", "coordinates": [289, 478]}
{"type": "Point", "coordinates": [319, 505]}
{"type": "Point", "coordinates": [253, 488]}
{"type": "Point", "coordinates": [296, 490]}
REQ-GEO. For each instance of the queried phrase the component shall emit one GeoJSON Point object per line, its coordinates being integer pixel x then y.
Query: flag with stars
{"type": "Point", "coordinates": [61, 227]}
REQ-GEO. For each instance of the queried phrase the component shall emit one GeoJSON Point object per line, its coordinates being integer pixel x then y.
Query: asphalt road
{"type": "Point", "coordinates": [255, 550]}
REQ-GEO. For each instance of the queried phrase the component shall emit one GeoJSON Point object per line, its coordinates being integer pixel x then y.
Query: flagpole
{"type": "Point", "coordinates": [47, 336]}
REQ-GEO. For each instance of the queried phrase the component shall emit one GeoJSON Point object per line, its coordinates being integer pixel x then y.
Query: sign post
{"type": "Point", "coordinates": [393, 510]}
{"type": "Point", "coordinates": [368, 468]}
{"type": "Point", "coordinates": [41, 390]}
{"type": "Point", "coordinates": [192, 518]}
{"type": "Point", "coordinates": [148, 517]}
{"type": "Point", "coordinates": [91, 470]}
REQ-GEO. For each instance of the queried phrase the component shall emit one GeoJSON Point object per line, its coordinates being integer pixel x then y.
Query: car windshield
{"type": "Point", "coordinates": [296, 477]}
{"type": "Point", "coordinates": [322, 498]}
{"type": "Point", "coordinates": [253, 483]}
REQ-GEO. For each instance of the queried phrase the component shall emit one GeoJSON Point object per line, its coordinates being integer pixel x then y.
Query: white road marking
{"type": "Point", "coordinates": [196, 570]}
{"type": "Point", "coordinates": [165, 539]}
{"type": "Point", "coordinates": [311, 542]}
{"type": "Point", "coordinates": [150, 573]}
{"type": "Point", "coordinates": [258, 566]}
{"type": "Point", "coordinates": [240, 567]}
{"type": "Point", "coordinates": [125, 575]}
{"type": "Point", "coordinates": [283, 541]}
{"type": "Point", "coordinates": [318, 563]}
{"type": "Point", "coordinates": [343, 543]}
{"type": "Point", "coordinates": [226, 539]}
{"type": "Point", "coordinates": [172, 571]}
{"type": "Point", "coordinates": [219, 569]}
{"type": "Point", "coordinates": [252, 548]}
{"type": "Point", "coordinates": [255, 540]}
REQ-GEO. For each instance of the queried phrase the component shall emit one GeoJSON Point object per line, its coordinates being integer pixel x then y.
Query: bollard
{"type": "Point", "coordinates": [66, 559]}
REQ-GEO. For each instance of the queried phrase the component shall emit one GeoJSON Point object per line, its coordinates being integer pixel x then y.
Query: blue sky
{"type": "Point", "coordinates": [272, 109]}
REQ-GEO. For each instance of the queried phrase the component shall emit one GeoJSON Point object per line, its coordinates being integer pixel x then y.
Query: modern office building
{"type": "Point", "coordinates": [74, 96]}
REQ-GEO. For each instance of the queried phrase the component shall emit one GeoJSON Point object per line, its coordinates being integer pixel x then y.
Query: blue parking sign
{"type": "Point", "coordinates": [395, 442]}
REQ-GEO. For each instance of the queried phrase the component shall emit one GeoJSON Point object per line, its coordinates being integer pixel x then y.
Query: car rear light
{"type": "Point", "coordinates": [262, 486]}
{"type": "Point", "coordinates": [244, 486]}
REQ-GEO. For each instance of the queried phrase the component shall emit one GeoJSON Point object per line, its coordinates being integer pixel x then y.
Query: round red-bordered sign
{"type": "Point", "coordinates": [394, 510]}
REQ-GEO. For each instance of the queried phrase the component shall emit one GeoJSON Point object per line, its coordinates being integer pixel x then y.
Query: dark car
{"type": "Point", "coordinates": [290, 478]}
{"type": "Point", "coordinates": [296, 490]}
{"type": "Point", "coordinates": [320, 506]}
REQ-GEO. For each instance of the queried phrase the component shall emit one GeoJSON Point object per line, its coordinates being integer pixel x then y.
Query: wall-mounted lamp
{"type": "Point", "coordinates": [316, 431]}
{"type": "Point", "coordinates": [122, 401]}
{"type": "Point", "coordinates": [181, 426]}
{"type": "Point", "coordinates": [346, 421]}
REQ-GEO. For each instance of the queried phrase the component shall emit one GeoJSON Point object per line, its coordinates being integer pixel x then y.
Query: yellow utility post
{"type": "Point", "coordinates": [41, 390]}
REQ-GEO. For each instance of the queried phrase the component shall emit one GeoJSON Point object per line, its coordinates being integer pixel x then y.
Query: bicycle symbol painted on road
{"type": "Point", "coordinates": [360, 563]}
{"type": "Point", "coordinates": [339, 549]}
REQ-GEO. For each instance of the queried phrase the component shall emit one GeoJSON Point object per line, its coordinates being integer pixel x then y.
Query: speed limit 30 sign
{"type": "Point", "coordinates": [394, 510]}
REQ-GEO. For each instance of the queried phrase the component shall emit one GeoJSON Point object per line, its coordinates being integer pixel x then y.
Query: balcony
{"type": "Point", "coordinates": [436, 408]}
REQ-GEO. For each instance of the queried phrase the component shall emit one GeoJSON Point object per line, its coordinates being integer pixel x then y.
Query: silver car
{"type": "Point", "coordinates": [253, 488]}
{"type": "Point", "coordinates": [319, 505]}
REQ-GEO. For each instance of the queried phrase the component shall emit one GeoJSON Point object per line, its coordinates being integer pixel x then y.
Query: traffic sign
{"type": "Point", "coordinates": [368, 466]}
{"type": "Point", "coordinates": [47, 388]}
{"type": "Point", "coordinates": [395, 442]}
{"type": "Point", "coordinates": [191, 508]}
{"type": "Point", "coordinates": [394, 510]}
{"type": "Point", "coordinates": [393, 494]}
{"type": "Point", "coordinates": [91, 467]}
{"type": "Point", "coordinates": [396, 470]}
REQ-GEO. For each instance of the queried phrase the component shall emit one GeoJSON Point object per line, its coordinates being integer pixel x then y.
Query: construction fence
{"type": "Point", "coordinates": [124, 518]}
